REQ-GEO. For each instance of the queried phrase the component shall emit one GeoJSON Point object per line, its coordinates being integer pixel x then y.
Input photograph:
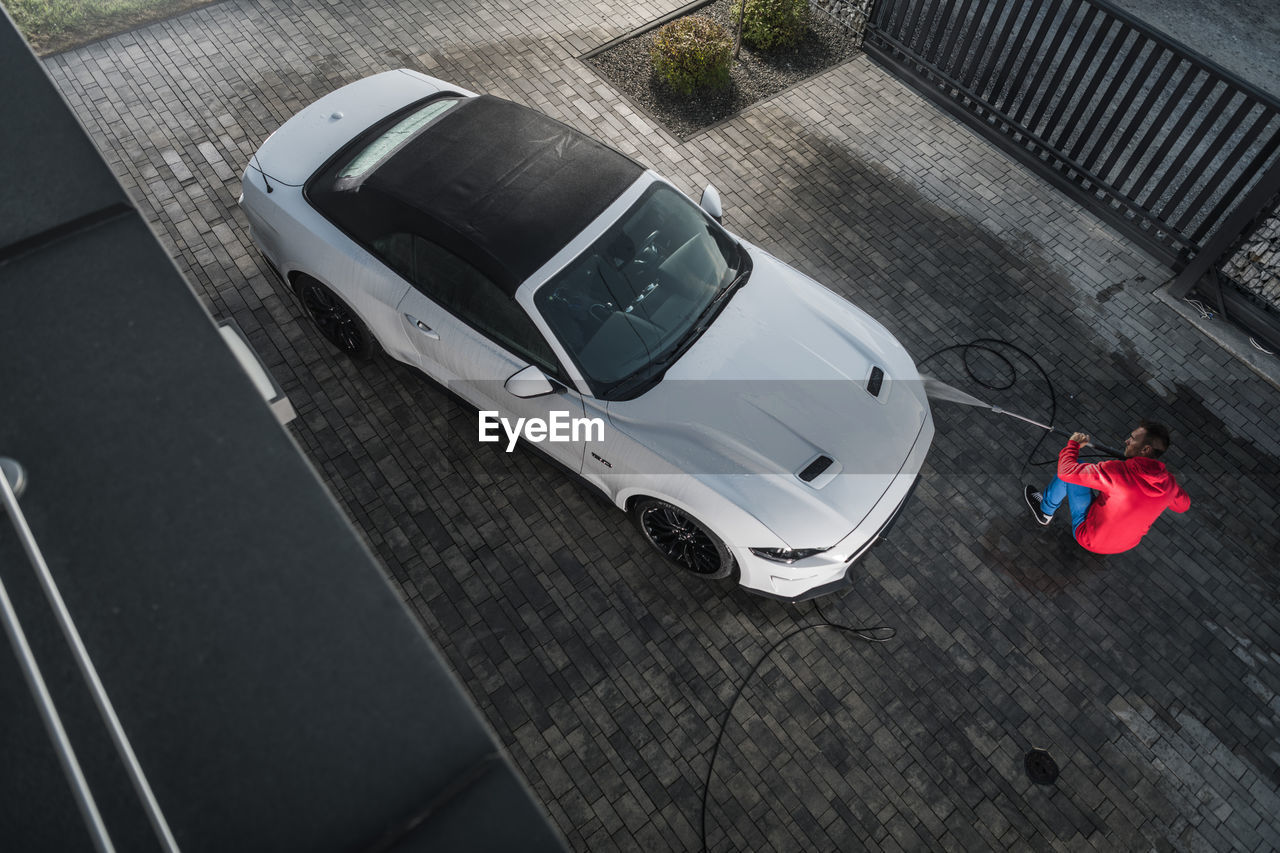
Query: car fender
{"type": "Point", "coordinates": [626, 467]}
{"type": "Point", "coordinates": [319, 250]}
{"type": "Point", "coordinates": [736, 527]}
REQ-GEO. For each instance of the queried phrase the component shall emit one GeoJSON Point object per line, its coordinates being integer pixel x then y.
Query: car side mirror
{"type": "Point", "coordinates": [711, 203]}
{"type": "Point", "coordinates": [529, 382]}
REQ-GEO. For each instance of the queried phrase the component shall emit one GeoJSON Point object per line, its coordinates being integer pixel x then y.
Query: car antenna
{"type": "Point", "coordinates": [262, 172]}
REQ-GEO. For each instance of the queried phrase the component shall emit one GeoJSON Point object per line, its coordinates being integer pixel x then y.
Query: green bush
{"type": "Point", "coordinates": [692, 54]}
{"type": "Point", "coordinates": [773, 24]}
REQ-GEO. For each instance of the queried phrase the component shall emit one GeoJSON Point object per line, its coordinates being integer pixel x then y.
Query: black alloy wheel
{"type": "Point", "coordinates": [338, 323]}
{"type": "Point", "coordinates": [682, 539]}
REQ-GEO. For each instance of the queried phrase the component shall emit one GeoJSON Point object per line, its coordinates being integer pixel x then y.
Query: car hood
{"type": "Point", "coordinates": [780, 377]}
{"type": "Point", "coordinates": [303, 143]}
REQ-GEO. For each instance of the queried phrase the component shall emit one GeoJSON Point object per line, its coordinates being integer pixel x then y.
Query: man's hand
{"type": "Point", "coordinates": [1080, 438]}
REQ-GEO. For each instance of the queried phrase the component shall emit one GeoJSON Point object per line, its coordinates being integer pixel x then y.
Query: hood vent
{"type": "Point", "coordinates": [874, 383]}
{"type": "Point", "coordinates": [814, 468]}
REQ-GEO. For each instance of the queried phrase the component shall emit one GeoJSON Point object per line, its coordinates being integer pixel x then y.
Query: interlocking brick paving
{"type": "Point", "coordinates": [1151, 677]}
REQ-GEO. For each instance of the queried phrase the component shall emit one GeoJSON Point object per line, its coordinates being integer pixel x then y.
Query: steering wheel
{"type": "Point", "coordinates": [641, 297]}
{"type": "Point", "coordinates": [599, 310]}
{"type": "Point", "coordinates": [648, 249]}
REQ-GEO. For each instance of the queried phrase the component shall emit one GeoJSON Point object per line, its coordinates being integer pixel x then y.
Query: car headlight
{"type": "Point", "coordinates": [786, 555]}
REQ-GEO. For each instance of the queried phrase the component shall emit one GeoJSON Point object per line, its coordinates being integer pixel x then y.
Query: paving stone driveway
{"type": "Point", "coordinates": [1151, 677]}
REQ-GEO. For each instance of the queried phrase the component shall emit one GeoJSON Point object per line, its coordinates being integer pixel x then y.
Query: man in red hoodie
{"type": "Point", "coordinates": [1113, 503]}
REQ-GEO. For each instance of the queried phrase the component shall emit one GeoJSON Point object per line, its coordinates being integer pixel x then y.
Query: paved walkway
{"type": "Point", "coordinates": [1151, 677]}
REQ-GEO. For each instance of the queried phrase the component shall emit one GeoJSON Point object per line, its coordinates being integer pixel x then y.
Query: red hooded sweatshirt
{"type": "Point", "coordinates": [1131, 495]}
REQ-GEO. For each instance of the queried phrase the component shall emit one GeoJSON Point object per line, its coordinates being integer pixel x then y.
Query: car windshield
{"type": "Point", "coordinates": [631, 303]}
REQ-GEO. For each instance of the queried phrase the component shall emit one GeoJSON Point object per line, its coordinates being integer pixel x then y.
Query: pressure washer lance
{"type": "Point", "coordinates": [938, 390]}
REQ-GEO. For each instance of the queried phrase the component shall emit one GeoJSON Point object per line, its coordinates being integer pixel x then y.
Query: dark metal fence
{"type": "Point", "coordinates": [1158, 140]}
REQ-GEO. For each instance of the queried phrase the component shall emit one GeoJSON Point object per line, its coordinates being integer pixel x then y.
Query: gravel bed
{"type": "Point", "coordinates": [756, 75]}
{"type": "Point", "coordinates": [1257, 265]}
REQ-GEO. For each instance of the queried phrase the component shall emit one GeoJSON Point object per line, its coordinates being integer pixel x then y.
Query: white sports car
{"type": "Point", "coordinates": [745, 417]}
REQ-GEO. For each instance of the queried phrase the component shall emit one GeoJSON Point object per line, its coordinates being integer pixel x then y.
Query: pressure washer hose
{"type": "Point", "coordinates": [986, 345]}
{"type": "Point", "coordinates": [1059, 431]}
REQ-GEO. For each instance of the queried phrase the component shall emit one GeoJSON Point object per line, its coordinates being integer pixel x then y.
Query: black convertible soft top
{"type": "Point", "coordinates": [498, 184]}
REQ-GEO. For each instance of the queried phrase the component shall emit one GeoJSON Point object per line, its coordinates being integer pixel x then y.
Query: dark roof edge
{"type": "Point", "coordinates": [74, 423]}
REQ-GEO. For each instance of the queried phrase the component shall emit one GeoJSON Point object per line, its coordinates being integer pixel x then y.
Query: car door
{"type": "Point", "coordinates": [475, 337]}
{"type": "Point", "coordinates": [424, 330]}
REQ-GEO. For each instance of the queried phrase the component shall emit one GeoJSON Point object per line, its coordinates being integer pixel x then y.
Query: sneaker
{"type": "Point", "coordinates": [1033, 501]}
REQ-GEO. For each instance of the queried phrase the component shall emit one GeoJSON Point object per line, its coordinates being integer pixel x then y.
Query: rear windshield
{"type": "Point", "coordinates": [391, 140]}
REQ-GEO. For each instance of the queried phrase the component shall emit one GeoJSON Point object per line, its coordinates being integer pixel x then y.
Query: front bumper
{"type": "Point", "coordinates": [846, 577]}
{"type": "Point", "coordinates": [801, 582]}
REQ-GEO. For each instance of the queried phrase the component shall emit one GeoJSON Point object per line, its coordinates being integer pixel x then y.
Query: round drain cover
{"type": "Point", "coordinates": [1041, 768]}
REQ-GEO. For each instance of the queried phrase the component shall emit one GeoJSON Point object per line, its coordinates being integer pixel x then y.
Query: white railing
{"type": "Point", "coordinates": [12, 482]}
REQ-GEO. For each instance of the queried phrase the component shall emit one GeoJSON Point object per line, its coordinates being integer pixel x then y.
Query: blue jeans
{"type": "Point", "coordinates": [1078, 498]}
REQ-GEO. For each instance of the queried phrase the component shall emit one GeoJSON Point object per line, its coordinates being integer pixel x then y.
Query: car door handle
{"type": "Point", "coordinates": [423, 327]}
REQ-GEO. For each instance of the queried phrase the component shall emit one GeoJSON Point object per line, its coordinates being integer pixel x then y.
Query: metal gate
{"type": "Point", "coordinates": [1164, 144]}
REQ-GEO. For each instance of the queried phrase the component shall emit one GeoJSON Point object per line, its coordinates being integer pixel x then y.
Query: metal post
{"type": "Point", "coordinates": [737, 36]}
{"type": "Point", "coordinates": [1239, 225]}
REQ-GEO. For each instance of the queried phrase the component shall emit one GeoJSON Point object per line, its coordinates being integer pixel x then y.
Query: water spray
{"type": "Point", "coordinates": [938, 390]}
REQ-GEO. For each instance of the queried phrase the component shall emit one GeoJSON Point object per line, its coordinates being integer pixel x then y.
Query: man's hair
{"type": "Point", "coordinates": [1157, 436]}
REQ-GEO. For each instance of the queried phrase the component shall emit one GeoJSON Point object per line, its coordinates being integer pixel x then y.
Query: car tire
{"type": "Point", "coordinates": [335, 320]}
{"type": "Point", "coordinates": [682, 540]}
